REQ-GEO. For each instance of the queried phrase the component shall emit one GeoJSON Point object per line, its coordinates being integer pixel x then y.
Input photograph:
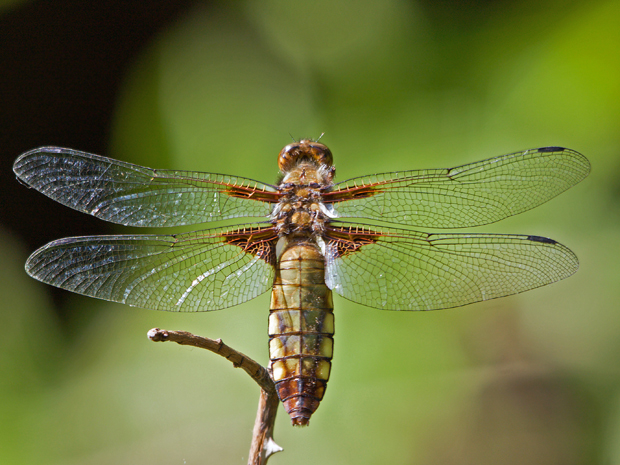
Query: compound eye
{"type": "Point", "coordinates": [322, 154]}
{"type": "Point", "coordinates": [286, 156]}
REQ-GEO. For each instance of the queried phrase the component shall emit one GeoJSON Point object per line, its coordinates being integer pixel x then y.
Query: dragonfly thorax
{"type": "Point", "coordinates": [300, 212]}
{"type": "Point", "coordinates": [308, 173]}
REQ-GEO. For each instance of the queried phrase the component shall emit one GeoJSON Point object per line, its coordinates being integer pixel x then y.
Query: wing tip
{"type": "Point", "coordinates": [582, 164]}
{"type": "Point", "coordinates": [22, 160]}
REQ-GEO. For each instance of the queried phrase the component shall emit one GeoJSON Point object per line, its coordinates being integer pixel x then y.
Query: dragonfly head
{"type": "Point", "coordinates": [307, 151]}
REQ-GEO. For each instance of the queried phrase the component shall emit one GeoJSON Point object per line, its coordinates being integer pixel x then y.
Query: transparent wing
{"type": "Point", "coordinates": [396, 269]}
{"type": "Point", "coordinates": [468, 195]}
{"type": "Point", "coordinates": [133, 195]}
{"type": "Point", "coordinates": [191, 272]}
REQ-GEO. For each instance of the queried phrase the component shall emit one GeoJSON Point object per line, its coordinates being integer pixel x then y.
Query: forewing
{"type": "Point", "coordinates": [468, 195]}
{"type": "Point", "coordinates": [191, 272]}
{"type": "Point", "coordinates": [396, 269]}
{"type": "Point", "coordinates": [133, 195]}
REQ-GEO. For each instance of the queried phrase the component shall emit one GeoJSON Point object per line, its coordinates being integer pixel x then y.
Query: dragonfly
{"type": "Point", "coordinates": [307, 244]}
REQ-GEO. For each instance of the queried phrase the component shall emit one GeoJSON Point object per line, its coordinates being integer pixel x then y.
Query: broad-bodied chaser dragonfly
{"type": "Point", "coordinates": [303, 250]}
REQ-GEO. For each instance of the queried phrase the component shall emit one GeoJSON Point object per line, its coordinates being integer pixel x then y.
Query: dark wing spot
{"type": "Point", "coordinates": [551, 149]}
{"type": "Point", "coordinates": [545, 240]}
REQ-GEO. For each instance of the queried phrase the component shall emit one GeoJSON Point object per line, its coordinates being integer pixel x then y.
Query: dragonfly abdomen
{"type": "Point", "coordinates": [301, 329]}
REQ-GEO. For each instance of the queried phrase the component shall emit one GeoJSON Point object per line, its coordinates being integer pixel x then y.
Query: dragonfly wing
{"type": "Point", "coordinates": [395, 269]}
{"type": "Point", "coordinates": [468, 195]}
{"type": "Point", "coordinates": [133, 195]}
{"type": "Point", "coordinates": [190, 272]}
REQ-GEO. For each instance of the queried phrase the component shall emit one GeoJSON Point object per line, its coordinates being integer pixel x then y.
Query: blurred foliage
{"type": "Point", "coordinates": [394, 85]}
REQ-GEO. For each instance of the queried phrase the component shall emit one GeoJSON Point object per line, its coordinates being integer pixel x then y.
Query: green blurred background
{"type": "Point", "coordinates": [222, 86]}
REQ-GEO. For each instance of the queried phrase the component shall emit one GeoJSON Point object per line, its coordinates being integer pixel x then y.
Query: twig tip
{"type": "Point", "coordinates": [157, 335]}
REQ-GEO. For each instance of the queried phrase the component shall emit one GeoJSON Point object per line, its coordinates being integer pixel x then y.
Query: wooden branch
{"type": "Point", "coordinates": [263, 444]}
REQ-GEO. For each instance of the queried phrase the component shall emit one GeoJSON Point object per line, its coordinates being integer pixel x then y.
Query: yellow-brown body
{"type": "Point", "coordinates": [301, 329]}
{"type": "Point", "coordinates": [301, 319]}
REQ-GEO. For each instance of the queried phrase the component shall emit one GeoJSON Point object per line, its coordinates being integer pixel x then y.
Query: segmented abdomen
{"type": "Point", "coordinates": [301, 329]}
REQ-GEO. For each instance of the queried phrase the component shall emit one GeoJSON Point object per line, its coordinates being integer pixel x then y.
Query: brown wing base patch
{"type": "Point", "coordinates": [346, 240]}
{"type": "Point", "coordinates": [259, 241]}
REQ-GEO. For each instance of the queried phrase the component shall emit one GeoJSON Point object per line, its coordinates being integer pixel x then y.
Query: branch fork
{"type": "Point", "coordinates": [263, 444]}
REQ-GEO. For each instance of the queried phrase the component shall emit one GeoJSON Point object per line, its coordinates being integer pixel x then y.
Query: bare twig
{"type": "Point", "coordinates": [263, 444]}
